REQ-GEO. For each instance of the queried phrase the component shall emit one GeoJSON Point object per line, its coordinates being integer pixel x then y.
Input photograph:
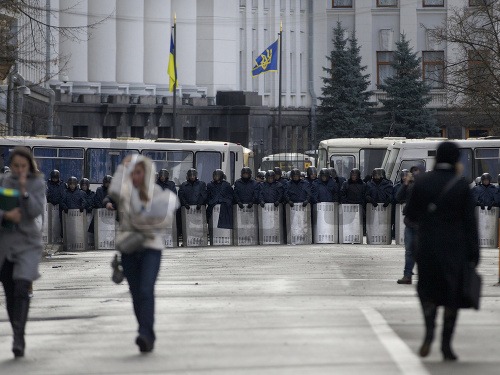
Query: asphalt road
{"type": "Point", "coordinates": [321, 309]}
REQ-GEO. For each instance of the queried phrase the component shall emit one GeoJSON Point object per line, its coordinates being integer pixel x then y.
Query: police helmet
{"type": "Point", "coordinates": [477, 181]}
{"type": "Point", "coordinates": [261, 174]}
{"type": "Point", "coordinates": [107, 179]}
{"type": "Point", "coordinates": [355, 172]}
{"type": "Point", "coordinates": [277, 171]}
{"type": "Point", "coordinates": [333, 173]}
{"type": "Point", "coordinates": [403, 174]}
{"type": "Point", "coordinates": [311, 171]}
{"type": "Point", "coordinates": [324, 172]}
{"type": "Point", "coordinates": [246, 170]}
{"type": "Point", "coordinates": [192, 173]}
{"type": "Point", "coordinates": [219, 173]}
{"type": "Point", "coordinates": [485, 176]}
{"type": "Point", "coordinates": [377, 174]}
{"type": "Point", "coordinates": [270, 173]}
{"type": "Point", "coordinates": [163, 173]}
{"type": "Point", "coordinates": [84, 181]}
{"type": "Point", "coordinates": [55, 174]}
{"type": "Point", "coordinates": [294, 173]}
{"type": "Point", "coordinates": [72, 181]}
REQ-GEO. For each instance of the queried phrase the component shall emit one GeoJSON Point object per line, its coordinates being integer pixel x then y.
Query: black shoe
{"type": "Point", "coordinates": [448, 354]}
{"type": "Point", "coordinates": [18, 346]}
{"type": "Point", "coordinates": [117, 275]}
{"type": "Point", "coordinates": [145, 346]}
{"type": "Point", "coordinates": [425, 349]}
{"type": "Point", "coordinates": [405, 280]}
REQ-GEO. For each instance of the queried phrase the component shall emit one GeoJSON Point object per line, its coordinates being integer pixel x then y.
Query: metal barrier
{"type": "Point", "coordinates": [351, 223]}
{"type": "Point", "coordinates": [54, 223]}
{"type": "Point", "coordinates": [325, 222]}
{"type": "Point", "coordinates": [246, 226]}
{"type": "Point", "coordinates": [270, 225]}
{"type": "Point", "coordinates": [488, 227]}
{"type": "Point", "coordinates": [90, 236]}
{"type": "Point", "coordinates": [298, 224]}
{"type": "Point", "coordinates": [219, 236]}
{"type": "Point", "coordinates": [104, 228]}
{"type": "Point", "coordinates": [399, 225]}
{"type": "Point", "coordinates": [194, 227]}
{"type": "Point", "coordinates": [171, 239]}
{"type": "Point", "coordinates": [74, 230]}
{"type": "Point", "coordinates": [378, 225]}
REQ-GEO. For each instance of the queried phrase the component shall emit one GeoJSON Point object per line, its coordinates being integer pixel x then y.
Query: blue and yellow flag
{"type": "Point", "coordinates": [172, 69]}
{"type": "Point", "coordinates": [267, 60]}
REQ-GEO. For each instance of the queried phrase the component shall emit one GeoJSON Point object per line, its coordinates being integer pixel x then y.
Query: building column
{"type": "Point", "coordinates": [74, 53]}
{"type": "Point", "coordinates": [157, 31]}
{"type": "Point", "coordinates": [130, 41]}
{"type": "Point", "coordinates": [102, 41]}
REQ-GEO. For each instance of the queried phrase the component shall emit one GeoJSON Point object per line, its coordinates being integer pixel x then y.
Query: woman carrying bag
{"type": "Point", "coordinates": [145, 212]}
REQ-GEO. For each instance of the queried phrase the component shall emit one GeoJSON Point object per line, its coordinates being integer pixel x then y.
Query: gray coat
{"type": "Point", "coordinates": [22, 244]}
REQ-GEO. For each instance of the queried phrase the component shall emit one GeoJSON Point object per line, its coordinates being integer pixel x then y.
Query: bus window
{"type": "Point", "coordinates": [68, 161]}
{"type": "Point", "coordinates": [176, 162]}
{"type": "Point", "coordinates": [466, 160]}
{"type": "Point", "coordinates": [407, 164]}
{"type": "Point", "coordinates": [370, 158]}
{"type": "Point", "coordinates": [232, 167]}
{"type": "Point", "coordinates": [322, 158]}
{"type": "Point", "coordinates": [206, 163]}
{"type": "Point", "coordinates": [487, 161]}
{"type": "Point", "coordinates": [343, 164]}
{"type": "Point", "coordinates": [101, 162]}
{"type": "Point", "coordinates": [391, 161]}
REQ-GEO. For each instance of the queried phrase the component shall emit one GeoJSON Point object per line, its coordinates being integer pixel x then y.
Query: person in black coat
{"type": "Point", "coordinates": [278, 176]}
{"type": "Point", "coordinates": [297, 190]}
{"type": "Point", "coordinates": [193, 191]}
{"type": "Point", "coordinates": [220, 192]}
{"type": "Point", "coordinates": [164, 182]}
{"type": "Point", "coordinates": [88, 195]}
{"type": "Point", "coordinates": [354, 189]}
{"type": "Point", "coordinates": [325, 189]}
{"type": "Point", "coordinates": [244, 189]}
{"type": "Point", "coordinates": [271, 190]}
{"type": "Point", "coordinates": [101, 199]}
{"type": "Point", "coordinates": [339, 180]}
{"type": "Point", "coordinates": [311, 175]}
{"type": "Point", "coordinates": [73, 197]}
{"type": "Point", "coordinates": [485, 194]}
{"type": "Point", "coordinates": [447, 242]}
{"type": "Point", "coordinates": [55, 188]}
{"type": "Point", "coordinates": [379, 189]}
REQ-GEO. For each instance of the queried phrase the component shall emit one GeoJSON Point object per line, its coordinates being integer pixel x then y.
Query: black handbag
{"type": "Point", "coordinates": [472, 287]}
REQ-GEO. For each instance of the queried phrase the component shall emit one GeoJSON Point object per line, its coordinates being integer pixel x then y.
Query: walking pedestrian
{"type": "Point", "coordinates": [21, 248]}
{"type": "Point", "coordinates": [442, 206]}
{"type": "Point", "coordinates": [145, 209]}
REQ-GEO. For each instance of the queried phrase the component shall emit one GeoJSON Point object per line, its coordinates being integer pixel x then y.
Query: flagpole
{"type": "Point", "coordinates": [174, 102]}
{"type": "Point", "coordinates": [280, 34]}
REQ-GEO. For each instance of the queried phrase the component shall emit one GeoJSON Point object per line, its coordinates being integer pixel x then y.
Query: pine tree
{"type": "Point", "coordinates": [407, 97]}
{"type": "Point", "coordinates": [345, 106]}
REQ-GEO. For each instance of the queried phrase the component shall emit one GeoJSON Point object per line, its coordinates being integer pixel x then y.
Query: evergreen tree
{"type": "Point", "coordinates": [345, 106]}
{"type": "Point", "coordinates": [407, 97]}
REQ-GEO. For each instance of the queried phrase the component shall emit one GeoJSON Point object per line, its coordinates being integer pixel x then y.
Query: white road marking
{"type": "Point", "coordinates": [405, 359]}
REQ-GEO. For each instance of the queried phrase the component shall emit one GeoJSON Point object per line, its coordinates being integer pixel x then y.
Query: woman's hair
{"type": "Point", "coordinates": [143, 192]}
{"type": "Point", "coordinates": [25, 153]}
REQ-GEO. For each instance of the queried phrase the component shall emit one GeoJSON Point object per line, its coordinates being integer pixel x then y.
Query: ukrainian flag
{"type": "Point", "coordinates": [267, 61]}
{"type": "Point", "coordinates": [172, 69]}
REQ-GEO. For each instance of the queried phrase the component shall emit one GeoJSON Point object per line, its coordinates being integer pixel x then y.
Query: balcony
{"type": "Point", "coordinates": [438, 98]}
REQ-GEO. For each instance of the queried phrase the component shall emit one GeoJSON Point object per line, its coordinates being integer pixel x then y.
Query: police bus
{"type": "Point", "coordinates": [287, 161]}
{"type": "Point", "coordinates": [478, 156]}
{"type": "Point", "coordinates": [95, 158]}
{"type": "Point", "coordinates": [344, 154]}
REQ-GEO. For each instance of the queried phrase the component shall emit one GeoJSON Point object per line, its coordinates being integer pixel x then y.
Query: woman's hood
{"type": "Point", "coordinates": [150, 172]}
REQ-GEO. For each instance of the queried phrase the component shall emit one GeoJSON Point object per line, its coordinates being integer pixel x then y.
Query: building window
{"type": "Point", "coordinates": [214, 133]}
{"type": "Point", "coordinates": [385, 59]}
{"type": "Point", "coordinates": [109, 131]}
{"type": "Point", "coordinates": [341, 3]}
{"type": "Point", "coordinates": [478, 69]}
{"type": "Point", "coordinates": [80, 131]}
{"type": "Point", "coordinates": [137, 132]}
{"type": "Point", "coordinates": [433, 3]}
{"type": "Point", "coordinates": [433, 68]}
{"type": "Point", "coordinates": [189, 133]}
{"type": "Point", "coordinates": [165, 132]}
{"type": "Point", "coordinates": [478, 3]}
{"type": "Point", "coordinates": [387, 3]}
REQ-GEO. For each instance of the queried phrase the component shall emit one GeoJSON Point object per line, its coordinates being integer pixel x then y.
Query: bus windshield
{"type": "Point", "coordinates": [369, 159]}
{"type": "Point", "coordinates": [102, 162]}
{"type": "Point", "coordinates": [177, 163]}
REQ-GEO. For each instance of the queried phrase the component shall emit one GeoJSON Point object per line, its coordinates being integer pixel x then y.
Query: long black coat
{"type": "Point", "coordinates": [271, 193]}
{"type": "Point", "coordinates": [55, 192]}
{"type": "Point", "coordinates": [447, 237]}
{"type": "Point", "coordinates": [298, 191]}
{"type": "Point", "coordinates": [244, 191]}
{"type": "Point", "coordinates": [193, 193]}
{"type": "Point", "coordinates": [353, 192]}
{"type": "Point", "coordinates": [327, 191]}
{"type": "Point", "coordinates": [379, 192]}
{"type": "Point", "coordinates": [485, 195]}
{"type": "Point", "coordinates": [221, 193]}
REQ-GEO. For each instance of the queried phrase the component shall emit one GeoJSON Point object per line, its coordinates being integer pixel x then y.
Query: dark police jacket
{"type": "Point", "coordinates": [244, 191]}
{"type": "Point", "coordinates": [73, 200]}
{"type": "Point", "coordinates": [88, 198]}
{"type": "Point", "coordinates": [379, 193]}
{"type": "Point", "coordinates": [170, 185]}
{"type": "Point", "coordinates": [193, 193]}
{"type": "Point", "coordinates": [298, 191]}
{"type": "Point", "coordinates": [271, 192]}
{"type": "Point", "coordinates": [353, 192]}
{"type": "Point", "coordinates": [55, 192]}
{"type": "Point", "coordinates": [221, 193]}
{"type": "Point", "coordinates": [485, 195]}
{"type": "Point", "coordinates": [327, 191]}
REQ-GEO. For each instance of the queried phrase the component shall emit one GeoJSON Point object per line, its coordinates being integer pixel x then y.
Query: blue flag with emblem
{"type": "Point", "coordinates": [267, 61]}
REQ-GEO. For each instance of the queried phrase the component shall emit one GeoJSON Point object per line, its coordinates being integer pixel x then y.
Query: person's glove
{"type": "Point", "coordinates": [304, 204]}
{"type": "Point", "coordinates": [187, 206]}
{"type": "Point", "coordinates": [240, 205]}
{"type": "Point", "coordinates": [375, 204]}
{"type": "Point", "coordinates": [262, 204]}
{"type": "Point", "coordinates": [81, 209]}
{"type": "Point", "coordinates": [250, 205]}
{"type": "Point", "coordinates": [276, 204]}
{"type": "Point", "coordinates": [291, 203]}
{"type": "Point", "coordinates": [198, 207]}
{"type": "Point", "coordinates": [386, 204]}
{"type": "Point", "coordinates": [489, 208]}
{"type": "Point", "coordinates": [482, 207]}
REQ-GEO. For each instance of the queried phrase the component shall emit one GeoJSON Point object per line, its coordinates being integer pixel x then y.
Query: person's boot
{"type": "Point", "coordinates": [449, 320]}
{"type": "Point", "coordinates": [405, 280]}
{"type": "Point", "coordinates": [21, 304]}
{"type": "Point", "coordinates": [430, 311]}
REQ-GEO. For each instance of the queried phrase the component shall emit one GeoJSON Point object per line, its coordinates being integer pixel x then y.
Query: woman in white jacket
{"type": "Point", "coordinates": [146, 209]}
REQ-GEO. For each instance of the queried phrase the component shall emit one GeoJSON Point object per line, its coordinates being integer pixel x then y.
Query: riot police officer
{"type": "Point", "coordinates": [325, 188]}
{"type": "Point", "coordinates": [379, 189]}
{"type": "Point", "coordinates": [271, 190]}
{"type": "Point", "coordinates": [354, 189]}
{"type": "Point", "coordinates": [485, 194]}
{"type": "Point", "coordinates": [164, 182]}
{"type": "Point", "coordinates": [297, 190]}
{"type": "Point", "coordinates": [244, 189]}
{"type": "Point", "coordinates": [193, 191]}
{"type": "Point", "coordinates": [311, 175]}
{"type": "Point", "coordinates": [220, 192]}
{"type": "Point", "coordinates": [73, 197]}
